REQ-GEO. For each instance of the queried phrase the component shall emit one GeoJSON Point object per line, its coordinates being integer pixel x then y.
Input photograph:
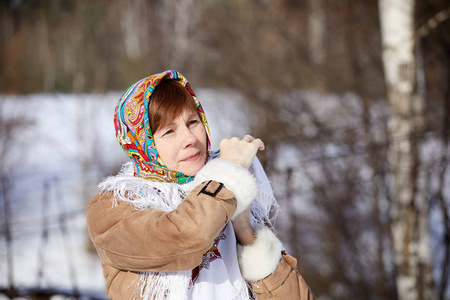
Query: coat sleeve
{"type": "Point", "coordinates": [152, 240]}
{"type": "Point", "coordinates": [272, 272]}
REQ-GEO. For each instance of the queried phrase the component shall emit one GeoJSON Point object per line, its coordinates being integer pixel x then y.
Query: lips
{"type": "Point", "coordinates": [193, 157]}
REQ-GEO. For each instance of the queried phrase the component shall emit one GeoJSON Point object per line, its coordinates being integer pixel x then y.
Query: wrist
{"type": "Point", "coordinates": [244, 234]}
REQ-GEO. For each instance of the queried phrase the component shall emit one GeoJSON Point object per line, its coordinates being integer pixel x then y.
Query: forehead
{"type": "Point", "coordinates": [184, 115]}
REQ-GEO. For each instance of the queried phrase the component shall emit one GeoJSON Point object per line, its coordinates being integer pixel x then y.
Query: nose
{"type": "Point", "coordinates": [187, 137]}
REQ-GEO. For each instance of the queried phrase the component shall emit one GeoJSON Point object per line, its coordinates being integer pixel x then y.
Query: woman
{"type": "Point", "coordinates": [162, 225]}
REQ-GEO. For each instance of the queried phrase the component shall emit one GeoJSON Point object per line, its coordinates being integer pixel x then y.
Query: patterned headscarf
{"type": "Point", "coordinates": [132, 124]}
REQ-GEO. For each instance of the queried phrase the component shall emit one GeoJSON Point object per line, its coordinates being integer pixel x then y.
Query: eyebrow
{"type": "Point", "coordinates": [193, 114]}
{"type": "Point", "coordinates": [190, 115]}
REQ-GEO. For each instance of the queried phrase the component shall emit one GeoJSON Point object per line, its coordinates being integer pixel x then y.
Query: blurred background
{"type": "Point", "coordinates": [358, 154]}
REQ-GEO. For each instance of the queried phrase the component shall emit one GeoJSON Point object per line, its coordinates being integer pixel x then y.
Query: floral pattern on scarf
{"type": "Point", "coordinates": [132, 125]}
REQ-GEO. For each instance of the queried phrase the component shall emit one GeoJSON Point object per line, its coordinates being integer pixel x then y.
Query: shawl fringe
{"type": "Point", "coordinates": [144, 194]}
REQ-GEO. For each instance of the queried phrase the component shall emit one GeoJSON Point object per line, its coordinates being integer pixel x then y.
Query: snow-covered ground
{"type": "Point", "coordinates": [49, 183]}
{"type": "Point", "coordinates": [66, 144]}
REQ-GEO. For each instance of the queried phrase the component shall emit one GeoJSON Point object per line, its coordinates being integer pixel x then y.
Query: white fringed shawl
{"type": "Point", "coordinates": [144, 194]}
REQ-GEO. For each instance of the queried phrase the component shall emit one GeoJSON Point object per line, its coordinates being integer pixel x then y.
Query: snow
{"type": "Point", "coordinates": [64, 132]}
{"type": "Point", "coordinates": [47, 181]}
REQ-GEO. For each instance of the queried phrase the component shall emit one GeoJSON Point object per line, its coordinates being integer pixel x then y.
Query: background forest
{"type": "Point", "coordinates": [357, 135]}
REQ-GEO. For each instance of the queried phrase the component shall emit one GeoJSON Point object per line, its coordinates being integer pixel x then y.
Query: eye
{"type": "Point", "coordinates": [167, 132]}
{"type": "Point", "coordinates": [192, 122]}
{"type": "Point", "coordinates": [164, 132]}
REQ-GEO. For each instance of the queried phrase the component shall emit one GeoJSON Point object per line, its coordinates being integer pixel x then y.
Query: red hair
{"type": "Point", "coordinates": [167, 102]}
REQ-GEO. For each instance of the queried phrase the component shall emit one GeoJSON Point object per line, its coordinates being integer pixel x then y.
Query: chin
{"type": "Point", "coordinates": [192, 170]}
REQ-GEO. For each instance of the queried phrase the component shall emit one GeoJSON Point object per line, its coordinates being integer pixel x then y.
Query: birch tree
{"type": "Point", "coordinates": [316, 31]}
{"type": "Point", "coordinates": [178, 19]}
{"type": "Point", "coordinates": [134, 28]}
{"type": "Point", "coordinates": [409, 207]}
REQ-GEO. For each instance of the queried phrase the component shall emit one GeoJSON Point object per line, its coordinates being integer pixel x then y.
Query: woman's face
{"type": "Point", "coordinates": [181, 144]}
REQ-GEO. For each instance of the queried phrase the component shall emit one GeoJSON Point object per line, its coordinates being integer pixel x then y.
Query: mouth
{"type": "Point", "coordinates": [193, 157]}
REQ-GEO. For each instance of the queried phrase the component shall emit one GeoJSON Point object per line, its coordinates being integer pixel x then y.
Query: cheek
{"type": "Point", "coordinates": [201, 136]}
{"type": "Point", "coordinates": [164, 151]}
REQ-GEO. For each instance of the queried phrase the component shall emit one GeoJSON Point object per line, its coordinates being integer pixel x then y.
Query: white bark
{"type": "Point", "coordinates": [178, 18]}
{"type": "Point", "coordinates": [134, 27]}
{"type": "Point", "coordinates": [316, 31]}
{"type": "Point", "coordinates": [409, 208]}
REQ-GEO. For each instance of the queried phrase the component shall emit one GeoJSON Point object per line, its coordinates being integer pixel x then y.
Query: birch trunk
{"type": "Point", "coordinates": [316, 31]}
{"type": "Point", "coordinates": [135, 28]}
{"type": "Point", "coordinates": [409, 206]}
{"type": "Point", "coordinates": [178, 17]}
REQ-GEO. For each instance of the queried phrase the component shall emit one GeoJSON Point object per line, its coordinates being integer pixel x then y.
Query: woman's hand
{"type": "Point", "coordinates": [239, 151]}
{"type": "Point", "coordinates": [242, 152]}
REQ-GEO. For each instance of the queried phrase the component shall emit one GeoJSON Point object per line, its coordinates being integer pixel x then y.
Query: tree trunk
{"type": "Point", "coordinates": [316, 31]}
{"type": "Point", "coordinates": [409, 207]}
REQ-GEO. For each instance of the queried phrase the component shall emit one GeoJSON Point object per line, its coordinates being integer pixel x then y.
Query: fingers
{"type": "Point", "coordinates": [259, 144]}
{"type": "Point", "coordinates": [241, 151]}
{"type": "Point", "coordinates": [248, 138]}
